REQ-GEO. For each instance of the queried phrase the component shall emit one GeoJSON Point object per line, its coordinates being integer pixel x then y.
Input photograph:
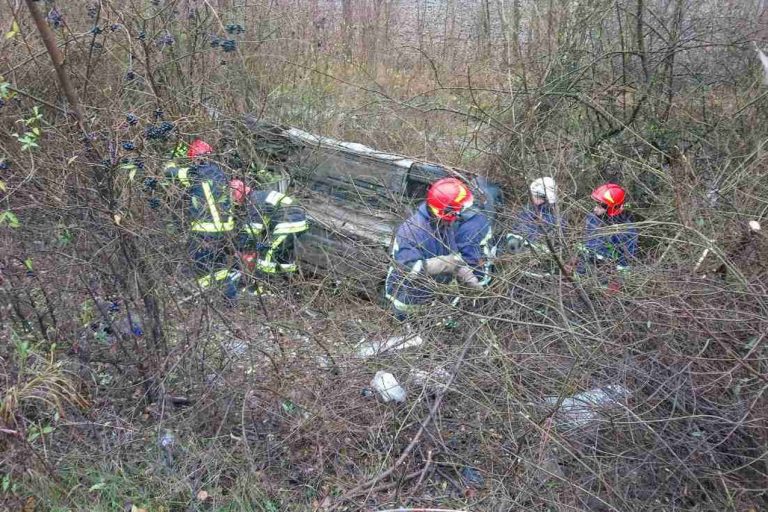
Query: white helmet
{"type": "Point", "coordinates": [544, 188]}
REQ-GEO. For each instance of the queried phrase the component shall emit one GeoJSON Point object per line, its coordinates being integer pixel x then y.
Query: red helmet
{"type": "Point", "coordinates": [447, 198]}
{"type": "Point", "coordinates": [199, 148]}
{"type": "Point", "coordinates": [611, 196]}
{"type": "Point", "coordinates": [239, 191]}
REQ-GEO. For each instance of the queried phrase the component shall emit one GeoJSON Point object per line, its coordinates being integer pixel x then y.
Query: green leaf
{"type": "Point", "coordinates": [6, 482]}
{"type": "Point", "coordinates": [12, 220]}
{"type": "Point", "coordinates": [47, 429]}
{"type": "Point", "coordinates": [14, 31]}
{"type": "Point", "coordinates": [8, 217]}
{"type": "Point", "coordinates": [2, 186]}
{"type": "Point", "coordinates": [33, 435]}
{"type": "Point", "coordinates": [288, 406]}
{"type": "Point", "coordinates": [28, 264]}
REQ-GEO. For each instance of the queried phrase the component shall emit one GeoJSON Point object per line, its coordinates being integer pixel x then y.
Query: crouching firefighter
{"type": "Point", "coordinates": [610, 238]}
{"type": "Point", "coordinates": [538, 225]}
{"type": "Point", "coordinates": [209, 207]}
{"type": "Point", "coordinates": [268, 228]}
{"type": "Point", "coordinates": [445, 239]}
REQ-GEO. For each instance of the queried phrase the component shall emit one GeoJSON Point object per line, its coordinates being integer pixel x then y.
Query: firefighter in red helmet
{"type": "Point", "coordinates": [445, 238]}
{"type": "Point", "coordinates": [610, 236]}
{"type": "Point", "coordinates": [209, 208]}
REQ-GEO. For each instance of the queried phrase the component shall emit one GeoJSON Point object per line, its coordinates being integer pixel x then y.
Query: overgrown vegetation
{"type": "Point", "coordinates": [120, 387]}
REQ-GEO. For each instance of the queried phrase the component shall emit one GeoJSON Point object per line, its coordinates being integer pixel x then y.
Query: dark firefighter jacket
{"type": "Point", "coordinates": [420, 238]}
{"type": "Point", "coordinates": [210, 205]}
{"type": "Point", "coordinates": [612, 239]}
{"type": "Point", "coordinates": [272, 219]}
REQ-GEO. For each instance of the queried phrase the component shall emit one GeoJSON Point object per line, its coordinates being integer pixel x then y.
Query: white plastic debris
{"type": "Point", "coordinates": [435, 381]}
{"type": "Point", "coordinates": [763, 61]}
{"type": "Point", "coordinates": [386, 385]}
{"type": "Point", "coordinates": [372, 348]}
{"type": "Point", "coordinates": [754, 225]}
{"type": "Point", "coordinates": [584, 408]}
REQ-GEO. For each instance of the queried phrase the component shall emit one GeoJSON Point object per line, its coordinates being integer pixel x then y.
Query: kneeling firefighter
{"type": "Point", "coordinates": [268, 228]}
{"type": "Point", "coordinates": [445, 238]}
{"type": "Point", "coordinates": [209, 208]}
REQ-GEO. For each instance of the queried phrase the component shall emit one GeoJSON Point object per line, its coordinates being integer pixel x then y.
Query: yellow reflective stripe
{"type": "Point", "coordinates": [402, 306]}
{"type": "Point", "coordinates": [179, 173]}
{"type": "Point", "coordinates": [288, 267]}
{"type": "Point", "coordinates": [397, 304]}
{"type": "Point", "coordinates": [208, 193]}
{"type": "Point", "coordinates": [183, 176]}
{"type": "Point", "coordinates": [488, 252]}
{"type": "Point", "coordinates": [266, 264]}
{"type": "Point", "coordinates": [219, 275]}
{"type": "Point", "coordinates": [275, 198]}
{"type": "Point", "coordinates": [282, 228]}
{"type": "Point", "coordinates": [253, 229]}
{"type": "Point", "coordinates": [217, 225]}
{"type": "Point", "coordinates": [485, 240]}
{"type": "Point", "coordinates": [212, 227]}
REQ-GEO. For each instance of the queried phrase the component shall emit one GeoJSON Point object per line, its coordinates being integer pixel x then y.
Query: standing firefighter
{"type": "Point", "coordinates": [445, 238]}
{"type": "Point", "coordinates": [268, 230]}
{"type": "Point", "coordinates": [609, 235]}
{"type": "Point", "coordinates": [210, 215]}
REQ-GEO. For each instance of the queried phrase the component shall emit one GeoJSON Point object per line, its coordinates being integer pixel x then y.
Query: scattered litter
{"type": "Point", "coordinates": [387, 387]}
{"type": "Point", "coordinates": [583, 408]}
{"type": "Point", "coordinates": [167, 439]}
{"type": "Point", "coordinates": [366, 393]}
{"type": "Point", "coordinates": [166, 442]}
{"type": "Point", "coordinates": [373, 348]}
{"type": "Point", "coordinates": [754, 225]}
{"type": "Point", "coordinates": [434, 381]}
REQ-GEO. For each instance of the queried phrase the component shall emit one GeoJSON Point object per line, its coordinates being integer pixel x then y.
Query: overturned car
{"type": "Point", "coordinates": [355, 196]}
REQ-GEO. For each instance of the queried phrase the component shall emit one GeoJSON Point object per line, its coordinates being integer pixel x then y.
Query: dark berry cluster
{"type": "Point", "coordinates": [154, 203]}
{"type": "Point", "coordinates": [54, 18]}
{"type": "Point", "coordinates": [93, 11]}
{"type": "Point", "coordinates": [150, 184]}
{"type": "Point", "coordinates": [128, 145]}
{"type": "Point", "coordinates": [130, 75]}
{"type": "Point", "coordinates": [96, 30]}
{"type": "Point", "coordinates": [159, 131]}
{"type": "Point", "coordinates": [234, 29]}
{"type": "Point", "coordinates": [4, 165]}
{"type": "Point", "coordinates": [165, 40]}
{"type": "Point", "coordinates": [131, 119]}
{"type": "Point", "coordinates": [229, 45]}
